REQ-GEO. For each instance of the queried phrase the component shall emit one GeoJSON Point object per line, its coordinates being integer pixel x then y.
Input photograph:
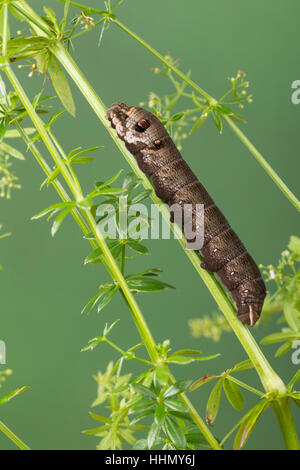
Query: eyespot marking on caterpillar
{"type": "Point", "coordinates": [142, 125]}
{"type": "Point", "coordinates": [157, 144]}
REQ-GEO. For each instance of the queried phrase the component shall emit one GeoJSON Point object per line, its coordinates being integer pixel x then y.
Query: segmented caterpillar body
{"type": "Point", "coordinates": [174, 182]}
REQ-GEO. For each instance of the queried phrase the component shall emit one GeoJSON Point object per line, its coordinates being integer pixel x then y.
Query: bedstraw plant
{"type": "Point", "coordinates": [172, 421]}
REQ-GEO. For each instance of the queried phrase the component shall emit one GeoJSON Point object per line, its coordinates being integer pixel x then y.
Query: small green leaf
{"type": "Point", "coordinates": [217, 121]}
{"type": "Point", "coordinates": [50, 13]}
{"type": "Point", "coordinates": [179, 414]}
{"type": "Point", "coordinates": [77, 152]}
{"type": "Point", "coordinates": [160, 413]}
{"type": "Point", "coordinates": [3, 126]}
{"type": "Point", "coordinates": [130, 182]}
{"type": "Point", "coordinates": [203, 380]}
{"type": "Point", "coordinates": [294, 380]}
{"type": "Point", "coordinates": [175, 432]}
{"type": "Point", "coordinates": [106, 192]}
{"type": "Point", "coordinates": [176, 388]}
{"type": "Point", "coordinates": [58, 206]}
{"type": "Point", "coordinates": [176, 117]}
{"type": "Point", "coordinates": [296, 401]}
{"type": "Point", "coordinates": [279, 337]}
{"type": "Point", "coordinates": [176, 405]}
{"type": "Point", "coordinates": [153, 434]}
{"type": "Point", "coordinates": [213, 403]}
{"type": "Point", "coordinates": [162, 374]}
{"type": "Point", "coordinates": [138, 247]}
{"type": "Point", "coordinates": [61, 85]}
{"type": "Point", "coordinates": [4, 235]}
{"type": "Point", "coordinates": [11, 150]}
{"type": "Point", "coordinates": [13, 133]}
{"type": "Point", "coordinates": [92, 344]}
{"type": "Point", "coordinates": [91, 304]}
{"type": "Point", "coordinates": [188, 360]}
{"type": "Point", "coordinates": [54, 118]}
{"type": "Point", "coordinates": [224, 109]}
{"type": "Point", "coordinates": [102, 419]}
{"type": "Point", "coordinates": [142, 406]}
{"type": "Point", "coordinates": [237, 117]}
{"type": "Point", "coordinates": [284, 348]}
{"type": "Point", "coordinates": [248, 423]}
{"type": "Point", "coordinates": [234, 394]}
{"type": "Point", "coordinates": [107, 298]}
{"type": "Point", "coordinates": [200, 121]}
{"type": "Point", "coordinates": [12, 395]}
{"type": "Point", "coordinates": [141, 196]}
{"type": "Point", "coordinates": [142, 284]}
{"type": "Point", "coordinates": [294, 246]}
{"type": "Point", "coordinates": [187, 352]}
{"type": "Point", "coordinates": [244, 365]}
{"type": "Point", "coordinates": [59, 220]}
{"type": "Point", "coordinates": [96, 431]}
{"type": "Point", "coordinates": [144, 390]}
{"type": "Point", "coordinates": [292, 316]}
{"type": "Point", "coordinates": [82, 160]}
{"type": "Point", "coordinates": [42, 59]}
{"type": "Point", "coordinates": [143, 415]}
{"type": "Point", "coordinates": [93, 255]}
{"type": "Point", "coordinates": [197, 439]}
{"type": "Point", "coordinates": [51, 177]}
{"type": "Point", "coordinates": [140, 444]}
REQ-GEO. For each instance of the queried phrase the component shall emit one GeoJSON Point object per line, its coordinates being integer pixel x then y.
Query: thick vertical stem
{"type": "Point", "coordinates": [139, 320]}
{"type": "Point", "coordinates": [283, 412]}
{"type": "Point", "coordinates": [269, 378]}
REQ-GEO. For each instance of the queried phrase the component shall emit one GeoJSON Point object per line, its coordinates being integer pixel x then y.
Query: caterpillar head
{"type": "Point", "coordinates": [135, 126]}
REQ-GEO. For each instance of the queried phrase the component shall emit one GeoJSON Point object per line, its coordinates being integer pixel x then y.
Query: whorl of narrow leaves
{"type": "Point", "coordinates": [168, 414]}
{"type": "Point", "coordinates": [286, 275]}
{"type": "Point", "coordinates": [113, 388]}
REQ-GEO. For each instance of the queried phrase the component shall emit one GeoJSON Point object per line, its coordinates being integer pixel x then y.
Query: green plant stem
{"type": "Point", "coordinates": [122, 262]}
{"type": "Point", "coordinates": [15, 439]}
{"type": "Point", "coordinates": [62, 153]}
{"type": "Point", "coordinates": [269, 378]}
{"type": "Point", "coordinates": [123, 353]}
{"type": "Point", "coordinates": [258, 156]}
{"type": "Point", "coordinates": [115, 272]}
{"type": "Point", "coordinates": [283, 411]}
{"type": "Point", "coordinates": [245, 386]}
{"type": "Point", "coordinates": [56, 184]}
{"type": "Point", "coordinates": [144, 330]}
{"type": "Point", "coordinates": [275, 177]}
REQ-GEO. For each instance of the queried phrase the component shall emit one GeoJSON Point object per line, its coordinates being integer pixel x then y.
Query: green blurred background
{"type": "Point", "coordinates": [44, 284]}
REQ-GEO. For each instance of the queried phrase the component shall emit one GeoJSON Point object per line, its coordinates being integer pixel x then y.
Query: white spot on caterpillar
{"type": "Point", "coordinates": [232, 273]}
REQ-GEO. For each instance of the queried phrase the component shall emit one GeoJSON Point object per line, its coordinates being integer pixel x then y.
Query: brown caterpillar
{"type": "Point", "coordinates": [174, 182]}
